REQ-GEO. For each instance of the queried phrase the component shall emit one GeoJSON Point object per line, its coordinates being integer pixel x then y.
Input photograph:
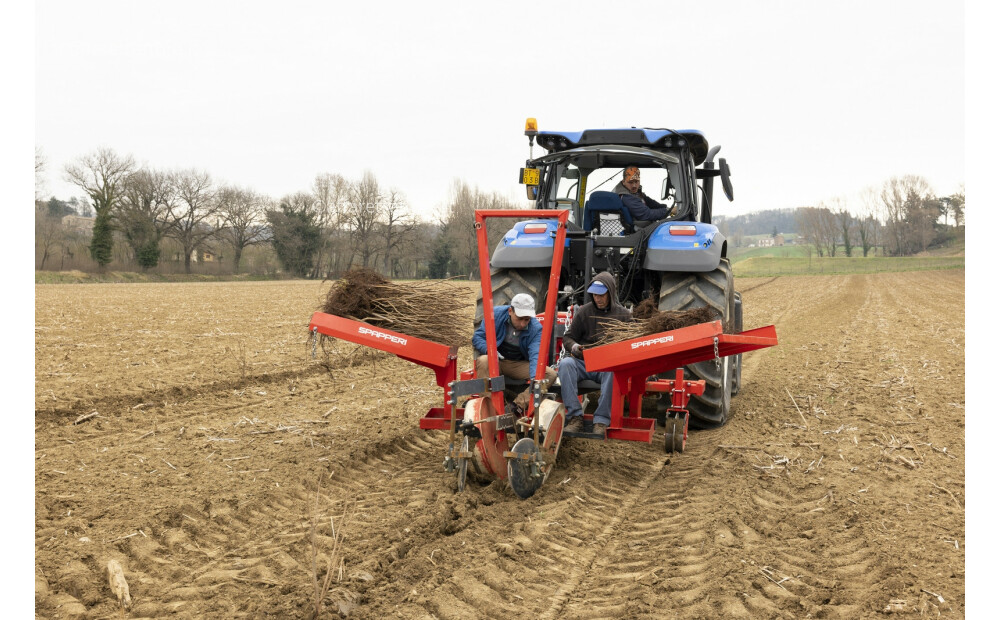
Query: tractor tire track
{"type": "Point", "coordinates": [845, 503]}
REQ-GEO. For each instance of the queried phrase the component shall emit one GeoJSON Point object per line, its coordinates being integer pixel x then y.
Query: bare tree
{"type": "Point", "coordinates": [416, 250]}
{"type": "Point", "coordinates": [869, 227]}
{"type": "Point", "coordinates": [243, 213]}
{"type": "Point", "coordinates": [363, 212]}
{"type": "Point", "coordinates": [901, 199]}
{"type": "Point", "coordinates": [142, 213]}
{"type": "Point", "coordinates": [398, 224]}
{"type": "Point", "coordinates": [458, 221]}
{"type": "Point", "coordinates": [192, 214]}
{"type": "Point", "coordinates": [331, 192]}
{"type": "Point", "coordinates": [48, 232]}
{"type": "Point", "coordinates": [922, 210]}
{"type": "Point", "coordinates": [842, 223]}
{"type": "Point", "coordinates": [829, 229]}
{"type": "Point", "coordinates": [810, 223]}
{"type": "Point", "coordinates": [101, 175]}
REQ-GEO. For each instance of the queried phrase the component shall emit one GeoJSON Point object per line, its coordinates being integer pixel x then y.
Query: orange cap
{"type": "Point", "coordinates": [632, 172]}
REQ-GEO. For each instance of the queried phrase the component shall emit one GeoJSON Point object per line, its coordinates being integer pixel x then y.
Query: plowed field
{"type": "Point", "coordinates": [223, 457]}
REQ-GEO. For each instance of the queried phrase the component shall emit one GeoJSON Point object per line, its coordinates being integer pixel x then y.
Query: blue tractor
{"type": "Point", "coordinates": [678, 261]}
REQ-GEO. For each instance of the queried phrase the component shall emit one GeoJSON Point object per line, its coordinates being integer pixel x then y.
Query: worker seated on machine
{"type": "Point", "coordinates": [587, 328]}
{"type": "Point", "coordinates": [519, 336]}
{"type": "Point", "coordinates": [641, 206]}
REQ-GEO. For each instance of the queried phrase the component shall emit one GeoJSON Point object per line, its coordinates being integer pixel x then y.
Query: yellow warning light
{"type": "Point", "coordinates": [530, 127]}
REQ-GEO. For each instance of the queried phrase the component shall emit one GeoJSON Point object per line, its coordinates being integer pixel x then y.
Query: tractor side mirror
{"type": "Point", "coordinates": [665, 188]}
{"type": "Point", "coordinates": [727, 183]}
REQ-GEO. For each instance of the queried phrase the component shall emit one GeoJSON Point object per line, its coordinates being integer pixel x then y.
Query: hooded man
{"type": "Point", "coordinates": [587, 329]}
{"type": "Point", "coordinates": [519, 337]}
{"type": "Point", "coordinates": [641, 206]}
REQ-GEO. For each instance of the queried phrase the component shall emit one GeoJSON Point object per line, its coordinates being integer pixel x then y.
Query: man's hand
{"type": "Point", "coordinates": [577, 351]}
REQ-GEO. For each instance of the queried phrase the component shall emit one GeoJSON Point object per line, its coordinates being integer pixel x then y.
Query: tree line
{"type": "Point", "coordinates": [335, 225]}
{"type": "Point", "coordinates": [902, 217]}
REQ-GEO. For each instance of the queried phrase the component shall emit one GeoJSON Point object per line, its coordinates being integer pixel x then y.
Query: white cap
{"type": "Point", "coordinates": [523, 305]}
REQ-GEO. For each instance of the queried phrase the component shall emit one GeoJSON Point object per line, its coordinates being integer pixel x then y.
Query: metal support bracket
{"type": "Point", "coordinates": [468, 387]}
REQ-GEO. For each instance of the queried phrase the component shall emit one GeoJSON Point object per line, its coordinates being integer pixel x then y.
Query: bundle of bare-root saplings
{"type": "Point", "coordinates": [648, 320]}
{"type": "Point", "coordinates": [431, 310]}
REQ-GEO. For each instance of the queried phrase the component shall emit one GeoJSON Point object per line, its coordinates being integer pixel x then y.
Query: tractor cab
{"type": "Point", "coordinates": [577, 165]}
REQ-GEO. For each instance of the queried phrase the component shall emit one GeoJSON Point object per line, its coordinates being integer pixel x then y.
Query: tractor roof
{"type": "Point", "coordinates": [655, 139]}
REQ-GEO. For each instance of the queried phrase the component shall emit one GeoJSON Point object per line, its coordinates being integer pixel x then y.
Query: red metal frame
{"type": "Point", "coordinates": [632, 361]}
{"type": "Point", "coordinates": [550, 300]}
{"type": "Point", "coordinates": [443, 360]}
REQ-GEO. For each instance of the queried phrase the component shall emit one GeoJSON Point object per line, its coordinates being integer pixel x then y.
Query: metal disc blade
{"type": "Point", "coordinates": [519, 470]}
{"type": "Point", "coordinates": [463, 465]}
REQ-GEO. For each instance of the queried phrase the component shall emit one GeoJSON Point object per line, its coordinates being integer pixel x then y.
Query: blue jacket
{"type": "Point", "coordinates": [641, 206]}
{"type": "Point", "coordinates": [531, 338]}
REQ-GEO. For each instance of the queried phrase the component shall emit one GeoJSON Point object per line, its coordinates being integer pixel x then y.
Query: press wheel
{"type": "Point", "coordinates": [676, 434]}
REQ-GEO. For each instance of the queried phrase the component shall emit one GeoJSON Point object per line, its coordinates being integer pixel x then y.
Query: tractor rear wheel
{"type": "Point", "coordinates": [509, 282]}
{"type": "Point", "coordinates": [684, 291]}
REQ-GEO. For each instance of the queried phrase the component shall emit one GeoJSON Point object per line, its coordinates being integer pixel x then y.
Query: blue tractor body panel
{"type": "Point", "coordinates": [664, 252]}
{"type": "Point", "coordinates": [519, 249]}
{"type": "Point", "coordinates": [697, 253]}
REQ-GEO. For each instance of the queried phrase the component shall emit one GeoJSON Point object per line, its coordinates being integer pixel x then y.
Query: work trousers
{"type": "Point", "coordinates": [571, 372]}
{"type": "Point", "coordinates": [516, 370]}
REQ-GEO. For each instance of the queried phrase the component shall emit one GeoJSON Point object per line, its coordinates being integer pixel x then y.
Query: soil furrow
{"type": "Point", "coordinates": [836, 489]}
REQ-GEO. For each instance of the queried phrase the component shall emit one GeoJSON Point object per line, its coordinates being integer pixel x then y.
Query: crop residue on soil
{"type": "Point", "coordinates": [225, 467]}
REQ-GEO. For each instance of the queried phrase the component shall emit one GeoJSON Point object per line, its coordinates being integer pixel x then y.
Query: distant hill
{"type": "Point", "coordinates": [757, 223]}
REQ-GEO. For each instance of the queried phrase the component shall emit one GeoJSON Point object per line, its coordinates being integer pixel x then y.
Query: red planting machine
{"type": "Point", "coordinates": [523, 450]}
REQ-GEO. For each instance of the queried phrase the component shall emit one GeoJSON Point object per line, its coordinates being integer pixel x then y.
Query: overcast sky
{"type": "Point", "coordinates": [808, 100]}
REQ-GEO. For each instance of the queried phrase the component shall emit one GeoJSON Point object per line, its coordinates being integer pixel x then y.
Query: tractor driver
{"type": "Point", "coordinates": [587, 328]}
{"type": "Point", "coordinates": [641, 206]}
{"type": "Point", "coordinates": [519, 336]}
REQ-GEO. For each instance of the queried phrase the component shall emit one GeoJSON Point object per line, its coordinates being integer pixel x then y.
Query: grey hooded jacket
{"type": "Point", "coordinates": [589, 320]}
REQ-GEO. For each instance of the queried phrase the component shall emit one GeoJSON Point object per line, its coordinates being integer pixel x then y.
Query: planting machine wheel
{"type": "Point", "coordinates": [676, 435]}
{"type": "Point", "coordinates": [509, 282]}
{"type": "Point", "coordinates": [487, 454]}
{"type": "Point", "coordinates": [684, 291]}
{"type": "Point", "coordinates": [528, 466]}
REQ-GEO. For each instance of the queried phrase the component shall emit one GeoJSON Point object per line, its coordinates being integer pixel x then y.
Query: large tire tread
{"type": "Point", "coordinates": [685, 291]}
{"type": "Point", "coordinates": [506, 283]}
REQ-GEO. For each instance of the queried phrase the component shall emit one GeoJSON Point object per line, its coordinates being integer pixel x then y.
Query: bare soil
{"type": "Point", "coordinates": [223, 457]}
